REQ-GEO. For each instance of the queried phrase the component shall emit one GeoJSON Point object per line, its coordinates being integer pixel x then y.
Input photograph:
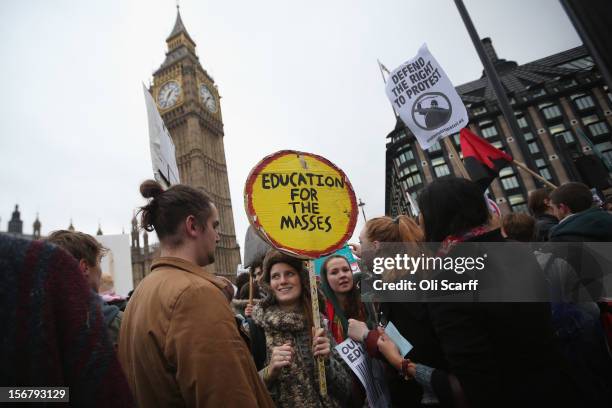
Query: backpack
{"type": "Point", "coordinates": [580, 337]}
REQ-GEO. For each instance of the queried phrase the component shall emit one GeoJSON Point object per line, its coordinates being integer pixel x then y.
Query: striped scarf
{"type": "Point", "coordinates": [53, 330]}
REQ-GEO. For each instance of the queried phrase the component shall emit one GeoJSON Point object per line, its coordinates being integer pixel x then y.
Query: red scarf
{"type": "Point", "coordinates": [334, 324]}
{"type": "Point", "coordinates": [450, 241]}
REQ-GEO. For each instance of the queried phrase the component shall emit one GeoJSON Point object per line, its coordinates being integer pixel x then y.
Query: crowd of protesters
{"type": "Point", "coordinates": [189, 338]}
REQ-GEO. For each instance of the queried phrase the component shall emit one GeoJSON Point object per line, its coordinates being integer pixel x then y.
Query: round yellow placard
{"type": "Point", "coordinates": [301, 203]}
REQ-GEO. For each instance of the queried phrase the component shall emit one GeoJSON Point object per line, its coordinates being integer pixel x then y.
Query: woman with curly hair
{"type": "Point", "coordinates": [285, 343]}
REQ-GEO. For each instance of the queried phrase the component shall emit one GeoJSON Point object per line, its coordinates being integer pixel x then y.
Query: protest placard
{"type": "Point", "coordinates": [425, 99]}
{"type": "Point", "coordinates": [301, 203]}
{"type": "Point", "coordinates": [355, 356]}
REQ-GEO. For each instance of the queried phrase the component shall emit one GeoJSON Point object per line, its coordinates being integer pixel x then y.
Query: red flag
{"type": "Point", "coordinates": [482, 160]}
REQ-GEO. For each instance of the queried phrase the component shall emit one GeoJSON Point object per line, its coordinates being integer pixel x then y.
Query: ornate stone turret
{"type": "Point", "coordinates": [15, 225]}
{"type": "Point", "coordinates": [135, 234]}
{"type": "Point", "coordinates": [36, 227]}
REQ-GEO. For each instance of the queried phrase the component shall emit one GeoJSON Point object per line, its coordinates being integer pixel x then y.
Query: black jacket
{"type": "Point", "coordinates": [570, 240]}
{"type": "Point", "coordinates": [543, 225]}
{"type": "Point", "coordinates": [414, 323]}
{"type": "Point", "coordinates": [503, 354]}
{"type": "Point", "coordinates": [592, 225]}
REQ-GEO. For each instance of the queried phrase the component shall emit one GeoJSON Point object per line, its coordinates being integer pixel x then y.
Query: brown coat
{"type": "Point", "coordinates": [179, 343]}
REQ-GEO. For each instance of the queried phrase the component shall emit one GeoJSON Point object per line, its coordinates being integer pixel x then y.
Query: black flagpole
{"type": "Point", "coordinates": [490, 71]}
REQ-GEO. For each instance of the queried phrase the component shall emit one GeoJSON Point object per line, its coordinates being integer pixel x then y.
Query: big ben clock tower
{"type": "Point", "coordinates": [188, 101]}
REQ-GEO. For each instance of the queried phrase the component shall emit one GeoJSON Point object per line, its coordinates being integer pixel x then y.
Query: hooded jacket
{"type": "Point", "coordinates": [592, 225]}
{"type": "Point", "coordinates": [180, 346]}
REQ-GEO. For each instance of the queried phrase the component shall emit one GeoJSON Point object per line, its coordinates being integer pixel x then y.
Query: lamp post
{"type": "Point", "coordinates": [361, 204]}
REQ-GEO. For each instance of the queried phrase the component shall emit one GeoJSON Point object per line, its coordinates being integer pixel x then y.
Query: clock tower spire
{"type": "Point", "coordinates": [189, 102]}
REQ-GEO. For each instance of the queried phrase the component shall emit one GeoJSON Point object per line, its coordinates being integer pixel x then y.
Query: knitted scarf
{"type": "Point", "coordinates": [296, 385]}
{"type": "Point", "coordinates": [53, 329]}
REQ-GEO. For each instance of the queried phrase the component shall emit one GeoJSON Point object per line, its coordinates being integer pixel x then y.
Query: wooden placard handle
{"type": "Point", "coordinates": [250, 288]}
{"type": "Point", "coordinates": [314, 295]}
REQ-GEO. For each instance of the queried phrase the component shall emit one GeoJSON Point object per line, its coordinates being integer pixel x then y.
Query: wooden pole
{"type": "Point", "coordinates": [250, 288]}
{"type": "Point", "coordinates": [534, 174]}
{"type": "Point", "coordinates": [314, 295]}
{"type": "Point", "coordinates": [451, 149]}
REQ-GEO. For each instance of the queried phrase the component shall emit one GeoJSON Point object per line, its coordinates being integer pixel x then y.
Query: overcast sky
{"type": "Point", "coordinates": [292, 75]}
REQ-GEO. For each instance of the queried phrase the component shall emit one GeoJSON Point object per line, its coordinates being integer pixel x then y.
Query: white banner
{"type": "Point", "coordinates": [355, 356]}
{"type": "Point", "coordinates": [162, 148]}
{"type": "Point", "coordinates": [425, 99]}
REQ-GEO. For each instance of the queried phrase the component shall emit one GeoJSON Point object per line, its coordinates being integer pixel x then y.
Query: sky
{"type": "Point", "coordinates": [292, 75]}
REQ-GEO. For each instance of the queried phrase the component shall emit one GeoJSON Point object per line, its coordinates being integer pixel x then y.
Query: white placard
{"type": "Point", "coordinates": [425, 99]}
{"type": "Point", "coordinates": [355, 356]}
{"type": "Point", "coordinates": [162, 147]}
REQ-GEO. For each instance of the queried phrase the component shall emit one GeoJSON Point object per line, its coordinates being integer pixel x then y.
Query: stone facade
{"type": "Point", "coordinates": [191, 111]}
{"type": "Point", "coordinates": [562, 109]}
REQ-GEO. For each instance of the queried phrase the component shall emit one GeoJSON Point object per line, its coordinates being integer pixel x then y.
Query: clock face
{"type": "Point", "coordinates": [168, 94]}
{"type": "Point", "coordinates": [208, 99]}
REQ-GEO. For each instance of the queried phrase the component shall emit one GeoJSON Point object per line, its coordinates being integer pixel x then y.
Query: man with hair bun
{"type": "Point", "coordinates": [179, 342]}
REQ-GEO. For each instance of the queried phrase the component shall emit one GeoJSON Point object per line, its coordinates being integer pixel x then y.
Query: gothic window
{"type": "Point", "coordinates": [605, 149]}
{"type": "Point", "coordinates": [436, 147]}
{"type": "Point", "coordinates": [556, 128]}
{"type": "Point", "coordinates": [551, 112]}
{"type": "Point", "coordinates": [533, 147]}
{"type": "Point", "coordinates": [522, 122]}
{"type": "Point", "coordinates": [510, 182]}
{"type": "Point", "coordinates": [489, 132]}
{"type": "Point", "coordinates": [479, 110]}
{"type": "Point", "coordinates": [587, 120]}
{"type": "Point", "coordinates": [598, 128]}
{"type": "Point", "coordinates": [412, 176]}
{"type": "Point", "coordinates": [543, 169]}
{"type": "Point", "coordinates": [440, 167]}
{"type": "Point", "coordinates": [566, 135]}
{"type": "Point", "coordinates": [406, 155]}
{"type": "Point", "coordinates": [583, 102]}
{"type": "Point", "coordinates": [517, 202]}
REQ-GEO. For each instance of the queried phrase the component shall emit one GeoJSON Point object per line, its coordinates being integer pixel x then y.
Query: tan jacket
{"type": "Point", "coordinates": [179, 343]}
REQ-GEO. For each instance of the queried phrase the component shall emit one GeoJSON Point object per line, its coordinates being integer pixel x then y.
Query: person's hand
{"type": "Point", "coordinates": [281, 357]}
{"type": "Point", "coordinates": [357, 330]}
{"type": "Point", "coordinates": [320, 343]}
{"type": "Point", "coordinates": [356, 249]}
{"type": "Point", "coordinates": [389, 349]}
{"type": "Point", "coordinates": [411, 369]}
{"type": "Point", "coordinates": [248, 310]}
